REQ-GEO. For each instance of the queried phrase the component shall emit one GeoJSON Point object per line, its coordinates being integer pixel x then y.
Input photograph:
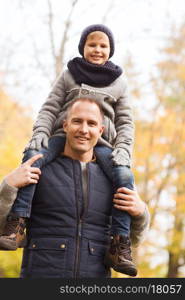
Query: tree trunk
{"type": "Point", "coordinates": [173, 266]}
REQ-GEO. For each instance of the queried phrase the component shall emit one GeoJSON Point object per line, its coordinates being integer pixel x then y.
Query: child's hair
{"type": "Point", "coordinates": [92, 28]}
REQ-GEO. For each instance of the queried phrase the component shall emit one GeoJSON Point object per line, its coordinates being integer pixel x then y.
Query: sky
{"type": "Point", "coordinates": [140, 27]}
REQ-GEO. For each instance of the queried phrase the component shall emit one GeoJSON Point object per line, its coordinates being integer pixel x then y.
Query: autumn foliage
{"type": "Point", "coordinates": [159, 164]}
{"type": "Point", "coordinates": [15, 130]}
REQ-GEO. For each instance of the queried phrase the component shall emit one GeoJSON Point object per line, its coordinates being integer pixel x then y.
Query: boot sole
{"type": "Point", "coordinates": [128, 270]}
{"type": "Point", "coordinates": [11, 245]}
{"type": "Point", "coordinates": [7, 246]}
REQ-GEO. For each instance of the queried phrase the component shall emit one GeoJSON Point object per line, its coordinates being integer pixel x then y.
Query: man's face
{"type": "Point", "coordinates": [97, 48]}
{"type": "Point", "coordinates": [83, 128]}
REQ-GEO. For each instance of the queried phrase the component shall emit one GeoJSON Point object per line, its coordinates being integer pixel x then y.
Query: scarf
{"type": "Point", "coordinates": [93, 74]}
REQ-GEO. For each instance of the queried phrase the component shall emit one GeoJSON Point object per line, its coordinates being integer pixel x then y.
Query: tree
{"type": "Point", "coordinates": [15, 130]}
{"type": "Point", "coordinates": [172, 71]}
{"type": "Point", "coordinates": [160, 158]}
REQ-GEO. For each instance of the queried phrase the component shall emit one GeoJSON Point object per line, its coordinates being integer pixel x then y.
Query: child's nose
{"type": "Point", "coordinates": [97, 48]}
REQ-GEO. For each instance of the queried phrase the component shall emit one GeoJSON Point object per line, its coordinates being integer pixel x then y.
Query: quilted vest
{"type": "Point", "coordinates": [68, 234]}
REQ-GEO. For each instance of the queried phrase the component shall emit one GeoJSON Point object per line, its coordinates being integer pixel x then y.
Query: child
{"type": "Point", "coordinates": [92, 75]}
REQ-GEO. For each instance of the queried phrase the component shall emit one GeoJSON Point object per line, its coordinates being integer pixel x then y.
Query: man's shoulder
{"type": "Point", "coordinates": [59, 166]}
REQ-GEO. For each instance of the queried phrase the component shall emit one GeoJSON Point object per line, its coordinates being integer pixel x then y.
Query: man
{"type": "Point", "coordinates": [69, 228]}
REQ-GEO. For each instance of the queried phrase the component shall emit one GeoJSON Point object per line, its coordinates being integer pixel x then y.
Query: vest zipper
{"type": "Point", "coordinates": [79, 234]}
{"type": "Point", "coordinates": [80, 223]}
{"type": "Point", "coordinates": [79, 229]}
{"type": "Point", "coordinates": [86, 199]}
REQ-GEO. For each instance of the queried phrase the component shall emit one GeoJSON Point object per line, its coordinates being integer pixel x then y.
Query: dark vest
{"type": "Point", "coordinates": [67, 234]}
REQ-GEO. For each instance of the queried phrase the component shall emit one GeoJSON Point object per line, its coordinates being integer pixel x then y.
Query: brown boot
{"type": "Point", "coordinates": [119, 257]}
{"type": "Point", "coordinates": [13, 236]}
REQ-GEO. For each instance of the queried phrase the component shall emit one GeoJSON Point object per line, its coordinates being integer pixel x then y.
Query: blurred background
{"type": "Point", "coordinates": [37, 40]}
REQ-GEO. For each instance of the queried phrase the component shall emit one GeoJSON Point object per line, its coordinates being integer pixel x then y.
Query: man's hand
{"type": "Point", "coordinates": [129, 201]}
{"type": "Point", "coordinates": [24, 174]}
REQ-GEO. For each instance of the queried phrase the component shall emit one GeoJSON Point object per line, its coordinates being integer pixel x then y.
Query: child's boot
{"type": "Point", "coordinates": [13, 236]}
{"type": "Point", "coordinates": [119, 257]}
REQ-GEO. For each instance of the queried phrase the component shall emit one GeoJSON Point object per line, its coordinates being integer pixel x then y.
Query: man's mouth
{"type": "Point", "coordinates": [82, 138]}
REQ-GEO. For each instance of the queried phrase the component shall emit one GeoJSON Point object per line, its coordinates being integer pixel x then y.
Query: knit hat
{"type": "Point", "coordinates": [92, 28]}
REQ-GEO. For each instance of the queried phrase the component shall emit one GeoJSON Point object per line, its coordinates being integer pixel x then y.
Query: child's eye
{"type": "Point", "coordinates": [92, 45]}
{"type": "Point", "coordinates": [104, 46]}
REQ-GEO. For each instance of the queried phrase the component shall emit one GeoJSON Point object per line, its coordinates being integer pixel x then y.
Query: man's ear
{"type": "Point", "coordinates": [64, 125]}
{"type": "Point", "coordinates": [102, 129]}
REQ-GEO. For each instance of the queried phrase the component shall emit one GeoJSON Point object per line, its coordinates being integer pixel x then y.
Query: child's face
{"type": "Point", "coordinates": [97, 48]}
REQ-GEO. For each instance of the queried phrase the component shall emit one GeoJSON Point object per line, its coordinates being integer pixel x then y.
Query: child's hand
{"type": "Point", "coordinates": [38, 141]}
{"type": "Point", "coordinates": [120, 156]}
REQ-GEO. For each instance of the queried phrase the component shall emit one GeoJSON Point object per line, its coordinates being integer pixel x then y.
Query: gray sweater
{"type": "Point", "coordinates": [139, 226]}
{"type": "Point", "coordinates": [7, 197]}
{"type": "Point", "coordinates": [115, 101]}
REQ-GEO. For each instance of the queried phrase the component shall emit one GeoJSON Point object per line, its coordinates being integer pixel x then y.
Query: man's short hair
{"type": "Point", "coordinates": [90, 100]}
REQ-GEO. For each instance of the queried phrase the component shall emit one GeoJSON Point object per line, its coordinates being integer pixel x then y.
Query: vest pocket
{"type": "Point", "coordinates": [96, 259]}
{"type": "Point", "coordinates": [97, 249]}
{"type": "Point", "coordinates": [47, 257]}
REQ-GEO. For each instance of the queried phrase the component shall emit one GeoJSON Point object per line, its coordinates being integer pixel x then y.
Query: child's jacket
{"type": "Point", "coordinates": [118, 121]}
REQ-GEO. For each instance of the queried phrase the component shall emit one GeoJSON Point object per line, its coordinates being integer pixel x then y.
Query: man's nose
{"type": "Point", "coordinates": [84, 127]}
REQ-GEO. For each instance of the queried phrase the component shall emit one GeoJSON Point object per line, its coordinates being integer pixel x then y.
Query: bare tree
{"type": "Point", "coordinates": [59, 55]}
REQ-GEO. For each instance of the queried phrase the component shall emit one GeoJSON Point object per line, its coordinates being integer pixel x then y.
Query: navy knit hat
{"type": "Point", "coordinates": [92, 28]}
